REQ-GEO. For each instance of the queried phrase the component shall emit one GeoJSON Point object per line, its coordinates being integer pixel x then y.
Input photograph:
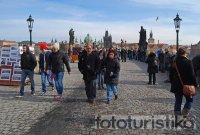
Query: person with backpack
{"type": "Point", "coordinates": [152, 69]}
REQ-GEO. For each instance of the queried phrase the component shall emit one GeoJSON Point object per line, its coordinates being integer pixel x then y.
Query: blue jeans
{"type": "Point", "coordinates": [110, 88]}
{"type": "Point", "coordinates": [100, 77]}
{"type": "Point", "coordinates": [58, 78]}
{"type": "Point", "coordinates": [30, 74]}
{"type": "Point", "coordinates": [178, 102]}
{"type": "Point", "coordinates": [44, 75]}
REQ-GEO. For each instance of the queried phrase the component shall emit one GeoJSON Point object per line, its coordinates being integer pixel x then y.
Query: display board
{"type": "Point", "coordinates": [10, 67]}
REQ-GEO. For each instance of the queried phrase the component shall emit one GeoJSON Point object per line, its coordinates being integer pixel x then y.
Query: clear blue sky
{"type": "Point", "coordinates": [122, 18]}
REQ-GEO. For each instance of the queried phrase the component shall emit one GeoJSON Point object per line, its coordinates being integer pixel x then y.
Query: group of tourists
{"type": "Point", "coordinates": [104, 65]}
{"type": "Point", "coordinates": [51, 64]}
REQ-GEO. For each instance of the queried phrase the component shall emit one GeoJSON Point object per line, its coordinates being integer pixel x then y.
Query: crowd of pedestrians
{"type": "Point", "coordinates": [100, 68]}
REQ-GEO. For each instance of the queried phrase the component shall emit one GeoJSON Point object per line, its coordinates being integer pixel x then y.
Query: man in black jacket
{"type": "Point", "coordinates": [89, 71]}
{"type": "Point", "coordinates": [28, 64]}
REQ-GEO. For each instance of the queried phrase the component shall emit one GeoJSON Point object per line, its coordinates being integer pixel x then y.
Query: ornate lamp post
{"type": "Point", "coordinates": [30, 26]}
{"type": "Point", "coordinates": [177, 23]}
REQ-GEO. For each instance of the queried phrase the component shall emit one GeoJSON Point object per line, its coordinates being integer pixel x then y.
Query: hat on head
{"type": "Point", "coordinates": [43, 45]}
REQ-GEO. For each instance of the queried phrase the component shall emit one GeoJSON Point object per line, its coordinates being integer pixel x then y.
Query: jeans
{"type": "Point", "coordinates": [30, 74]}
{"type": "Point", "coordinates": [100, 77]}
{"type": "Point", "coordinates": [178, 102]}
{"type": "Point", "coordinates": [58, 78]}
{"type": "Point", "coordinates": [90, 88]}
{"type": "Point", "coordinates": [110, 88]}
{"type": "Point", "coordinates": [44, 75]}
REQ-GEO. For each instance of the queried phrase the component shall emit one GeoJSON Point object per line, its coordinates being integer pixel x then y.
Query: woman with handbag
{"type": "Point", "coordinates": [182, 76]}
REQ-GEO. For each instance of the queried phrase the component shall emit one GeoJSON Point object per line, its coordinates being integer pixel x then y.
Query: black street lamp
{"type": "Point", "coordinates": [30, 26]}
{"type": "Point", "coordinates": [177, 23]}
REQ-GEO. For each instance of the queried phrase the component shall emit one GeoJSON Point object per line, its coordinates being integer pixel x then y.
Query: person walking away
{"type": "Point", "coordinates": [187, 75]}
{"type": "Point", "coordinates": [112, 66]}
{"type": "Point", "coordinates": [43, 58]}
{"type": "Point", "coordinates": [152, 68]}
{"type": "Point", "coordinates": [56, 63]}
{"type": "Point", "coordinates": [89, 70]}
{"type": "Point", "coordinates": [28, 64]}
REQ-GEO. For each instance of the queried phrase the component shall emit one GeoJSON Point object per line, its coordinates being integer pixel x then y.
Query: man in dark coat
{"type": "Point", "coordinates": [28, 64]}
{"type": "Point", "coordinates": [89, 69]}
{"type": "Point", "coordinates": [187, 75]}
{"type": "Point", "coordinates": [152, 69]}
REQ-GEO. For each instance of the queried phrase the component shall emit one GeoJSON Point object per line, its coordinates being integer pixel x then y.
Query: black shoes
{"type": "Point", "coordinates": [91, 101]}
{"type": "Point", "coordinates": [149, 83]}
{"type": "Point", "coordinates": [116, 97]}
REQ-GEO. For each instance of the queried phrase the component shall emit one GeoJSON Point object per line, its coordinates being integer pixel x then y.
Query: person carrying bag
{"type": "Point", "coordinates": [183, 82]}
{"type": "Point", "coordinates": [188, 90]}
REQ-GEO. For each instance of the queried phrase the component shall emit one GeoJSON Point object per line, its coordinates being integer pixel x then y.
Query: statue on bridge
{"type": "Point", "coordinates": [71, 43]}
{"type": "Point", "coordinates": [142, 45]}
{"type": "Point", "coordinates": [71, 37]}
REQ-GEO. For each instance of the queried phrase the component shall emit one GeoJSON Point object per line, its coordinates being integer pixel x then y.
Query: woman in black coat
{"type": "Point", "coordinates": [152, 69]}
{"type": "Point", "coordinates": [112, 75]}
{"type": "Point", "coordinates": [187, 75]}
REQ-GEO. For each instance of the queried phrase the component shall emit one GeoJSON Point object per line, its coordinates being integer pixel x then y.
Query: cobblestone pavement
{"type": "Point", "coordinates": [41, 115]}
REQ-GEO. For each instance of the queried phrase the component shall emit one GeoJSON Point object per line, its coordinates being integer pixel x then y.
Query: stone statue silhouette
{"type": "Point", "coordinates": [142, 45]}
{"type": "Point", "coordinates": [142, 41]}
{"type": "Point", "coordinates": [71, 36]}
